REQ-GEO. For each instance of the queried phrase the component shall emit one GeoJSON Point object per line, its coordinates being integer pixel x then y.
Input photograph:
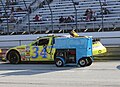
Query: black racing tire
{"type": "Point", "coordinates": [58, 62]}
{"type": "Point", "coordinates": [13, 57]}
{"type": "Point", "coordinates": [82, 62]}
{"type": "Point", "coordinates": [89, 61]}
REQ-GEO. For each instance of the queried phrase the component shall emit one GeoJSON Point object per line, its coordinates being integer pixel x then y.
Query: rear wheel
{"type": "Point", "coordinates": [13, 57]}
{"type": "Point", "coordinates": [82, 62]}
{"type": "Point", "coordinates": [58, 62]}
{"type": "Point", "coordinates": [89, 61]}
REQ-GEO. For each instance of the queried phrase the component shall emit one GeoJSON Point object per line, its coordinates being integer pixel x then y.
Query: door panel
{"type": "Point", "coordinates": [42, 51]}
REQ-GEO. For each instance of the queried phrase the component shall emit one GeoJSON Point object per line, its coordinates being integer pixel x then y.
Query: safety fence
{"type": "Point", "coordinates": [24, 40]}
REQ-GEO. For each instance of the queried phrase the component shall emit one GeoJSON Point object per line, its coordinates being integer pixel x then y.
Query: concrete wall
{"type": "Point", "coordinates": [15, 40]}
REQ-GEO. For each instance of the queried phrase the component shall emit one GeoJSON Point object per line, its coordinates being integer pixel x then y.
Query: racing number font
{"type": "Point", "coordinates": [36, 53]}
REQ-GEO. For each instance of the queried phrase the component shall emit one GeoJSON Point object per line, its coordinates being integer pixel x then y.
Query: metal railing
{"type": "Point", "coordinates": [78, 24]}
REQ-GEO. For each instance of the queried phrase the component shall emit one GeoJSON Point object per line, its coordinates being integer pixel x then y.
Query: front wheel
{"type": "Point", "coordinates": [82, 62]}
{"type": "Point", "coordinates": [13, 57]}
{"type": "Point", "coordinates": [58, 62]}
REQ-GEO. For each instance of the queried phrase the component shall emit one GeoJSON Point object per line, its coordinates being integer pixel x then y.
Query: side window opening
{"type": "Point", "coordinates": [42, 42]}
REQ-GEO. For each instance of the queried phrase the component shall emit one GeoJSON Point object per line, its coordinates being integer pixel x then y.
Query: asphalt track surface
{"type": "Point", "coordinates": [99, 74]}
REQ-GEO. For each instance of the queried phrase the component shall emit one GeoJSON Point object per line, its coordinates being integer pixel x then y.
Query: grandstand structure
{"type": "Point", "coordinates": [51, 11]}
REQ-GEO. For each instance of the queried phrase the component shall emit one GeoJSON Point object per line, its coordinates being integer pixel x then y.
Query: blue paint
{"type": "Point", "coordinates": [35, 52]}
{"type": "Point", "coordinates": [43, 53]}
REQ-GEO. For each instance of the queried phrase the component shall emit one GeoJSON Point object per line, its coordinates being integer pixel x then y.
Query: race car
{"type": "Point", "coordinates": [42, 50]}
{"type": "Point", "coordinates": [2, 53]}
{"type": "Point", "coordinates": [97, 47]}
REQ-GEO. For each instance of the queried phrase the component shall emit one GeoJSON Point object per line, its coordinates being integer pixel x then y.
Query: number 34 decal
{"type": "Point", "coordinates": [36, 53]}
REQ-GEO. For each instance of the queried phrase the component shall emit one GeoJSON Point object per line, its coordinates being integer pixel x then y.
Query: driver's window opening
{"type": "Point", "coordinates": [41, 42]}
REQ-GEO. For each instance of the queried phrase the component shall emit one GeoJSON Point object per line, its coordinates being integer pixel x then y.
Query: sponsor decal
{"type": "Point", "coordinates": [27, 52]}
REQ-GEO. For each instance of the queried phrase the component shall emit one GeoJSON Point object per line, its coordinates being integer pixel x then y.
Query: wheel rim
{"type": "Point", "coordinates": [59, 62]}
{"type": "Point", "coordinates": [82, 62]}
